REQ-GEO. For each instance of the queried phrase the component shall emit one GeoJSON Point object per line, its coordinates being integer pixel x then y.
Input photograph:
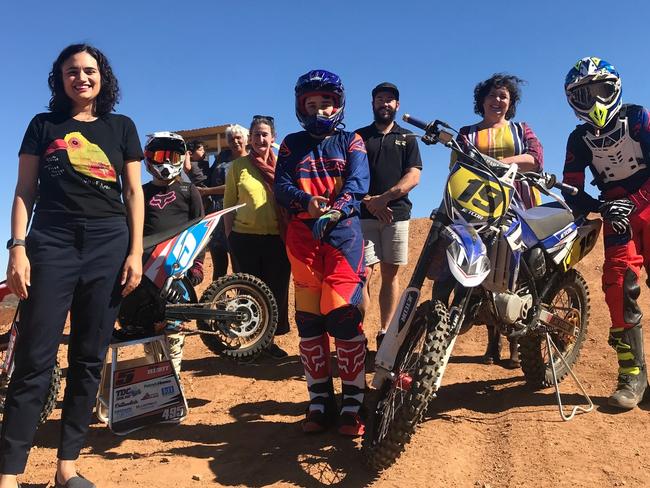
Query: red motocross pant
{"type": "Point", "coordinates": [624, 256]}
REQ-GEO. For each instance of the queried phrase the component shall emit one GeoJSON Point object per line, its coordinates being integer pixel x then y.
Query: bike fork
{"type": "Point", "coordinates": [577, 408]}
{"type": "Point", "coordinates": [401, 320]}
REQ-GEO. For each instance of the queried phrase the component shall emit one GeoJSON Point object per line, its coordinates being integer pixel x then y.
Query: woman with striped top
{"type": "Point", "coordinates": [498, 136]}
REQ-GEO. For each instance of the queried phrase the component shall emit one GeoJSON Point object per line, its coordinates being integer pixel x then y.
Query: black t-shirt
{"type": "Point", "coordinates": [390, 156]}
{"type": "Point", "coordinates": [199, 172]}
{"type": "Point", "coordinates": [217, 177]}
{"type": "Point", "coordinates": [166, 207]}
{"type": "Point", "coordinates": [81, 163]}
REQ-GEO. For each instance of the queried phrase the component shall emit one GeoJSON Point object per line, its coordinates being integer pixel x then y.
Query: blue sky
{"type": "Point", "coordinates": [192, 64]}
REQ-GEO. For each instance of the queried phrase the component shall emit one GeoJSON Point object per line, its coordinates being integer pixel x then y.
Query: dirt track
{"type": "Point", "coordinates": [485, 428]}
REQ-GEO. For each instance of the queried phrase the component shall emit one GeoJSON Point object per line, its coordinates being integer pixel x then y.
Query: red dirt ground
{"type": "Point", "coordinates": [484, 429]}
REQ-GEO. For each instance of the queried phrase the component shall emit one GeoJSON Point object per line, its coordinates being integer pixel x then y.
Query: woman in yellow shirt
{"type": "Point", "coordinates": [256, 231]}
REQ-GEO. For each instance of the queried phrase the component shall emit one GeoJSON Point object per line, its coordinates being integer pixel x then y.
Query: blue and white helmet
{"type": "Point", "coordinates": [320, 81]}
{"type": "Point", "coordinates": [593, 89]}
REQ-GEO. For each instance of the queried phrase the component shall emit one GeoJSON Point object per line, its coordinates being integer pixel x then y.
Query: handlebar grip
{"type": "Point", "coordinates": [416, 122]}
{"type": "Point", "coordinates": [571, 190]}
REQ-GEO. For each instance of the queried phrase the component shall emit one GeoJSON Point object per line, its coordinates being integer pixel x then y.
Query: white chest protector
{"type": "Point", "coordinates": [615, 155]}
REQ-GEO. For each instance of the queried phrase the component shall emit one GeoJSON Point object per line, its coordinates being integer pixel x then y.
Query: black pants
{"type": "Point", "coordinates": [75, 266]}
{"type": "Point", "coordinates": [265, 256]}
{"type": "Point", "coordinates": [219, 252]}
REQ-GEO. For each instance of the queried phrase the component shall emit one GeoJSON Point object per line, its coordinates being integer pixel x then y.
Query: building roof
{"type": "Point", "coordinates": [214, 137]}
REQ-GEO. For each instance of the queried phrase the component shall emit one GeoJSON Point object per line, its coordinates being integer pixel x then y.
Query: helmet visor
{"type": "Point", "coordinates": [163, 157]}
{"type": "Point", "coordinates": [584, 97]}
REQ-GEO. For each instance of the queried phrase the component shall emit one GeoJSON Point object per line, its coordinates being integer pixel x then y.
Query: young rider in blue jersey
{"type": "Point", "coordinates": [321, 177]}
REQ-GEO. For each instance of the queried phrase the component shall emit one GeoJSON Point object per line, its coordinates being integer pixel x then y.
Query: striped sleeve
{"type": "Point", "coordinates": [532, 146]}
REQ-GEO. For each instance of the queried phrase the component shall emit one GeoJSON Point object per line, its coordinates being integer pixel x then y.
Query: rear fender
{"type": "Point", "coordinates": [176, 255]}
{"type": "Point", "coordinates": [586, 238]}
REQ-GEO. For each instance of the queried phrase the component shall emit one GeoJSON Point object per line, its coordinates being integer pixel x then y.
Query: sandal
{"type": "Point", "coordinates": [75, 482]}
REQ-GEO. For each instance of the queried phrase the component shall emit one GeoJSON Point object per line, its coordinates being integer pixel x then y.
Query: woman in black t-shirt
{"type": "Point", "coordinates": [80, 165]}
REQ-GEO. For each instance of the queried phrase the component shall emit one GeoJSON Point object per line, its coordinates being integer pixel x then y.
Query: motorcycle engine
{"type": "Point", "coordinates": [140, 311]}
{"type": "Point", "coordinates": [512, 307]}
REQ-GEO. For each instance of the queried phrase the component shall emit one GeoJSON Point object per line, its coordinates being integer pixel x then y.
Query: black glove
{"type": "Point", "coordinates": [617, 214]}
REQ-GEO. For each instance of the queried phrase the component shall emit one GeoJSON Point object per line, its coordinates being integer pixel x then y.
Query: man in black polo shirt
{"type": "Point", "coordinates": [395, 165]}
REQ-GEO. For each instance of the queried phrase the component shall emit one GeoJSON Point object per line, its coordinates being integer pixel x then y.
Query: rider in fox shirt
{"type": "Point", "coordinates": [615, 144]}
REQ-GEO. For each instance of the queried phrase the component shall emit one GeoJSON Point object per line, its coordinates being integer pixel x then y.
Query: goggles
{"type": "Point", "coordinates": [164, 157]}
{"type": "Point", "coordinates": [585, 96]}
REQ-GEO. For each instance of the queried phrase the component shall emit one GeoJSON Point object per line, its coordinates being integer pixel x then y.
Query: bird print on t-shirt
{"type": "Point", "coordinates": [85, 157]}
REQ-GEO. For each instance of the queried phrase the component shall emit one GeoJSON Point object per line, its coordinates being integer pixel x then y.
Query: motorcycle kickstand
{"type": "Point", "coordinates": [577, 408]}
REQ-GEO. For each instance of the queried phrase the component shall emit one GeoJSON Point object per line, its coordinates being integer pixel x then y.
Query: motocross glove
{"type": "Point", "coordinates": [617, 214]}
{"type": "Point", "coordinates": [325, 223]}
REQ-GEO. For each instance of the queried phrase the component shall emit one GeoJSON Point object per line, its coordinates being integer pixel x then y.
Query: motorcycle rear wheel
{"type": "Point", "coordinates": [250, 295]}
{"type": "Point", "coordinates": [397, 407]}
{"type": "Point", "coordinates": [570, 293]}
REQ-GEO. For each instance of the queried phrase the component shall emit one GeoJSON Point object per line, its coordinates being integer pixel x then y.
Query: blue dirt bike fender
{"type": "Point", "coordinates": [466, 255]}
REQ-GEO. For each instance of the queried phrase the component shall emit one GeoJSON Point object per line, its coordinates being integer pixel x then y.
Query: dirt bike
{"type": "Point", "coordinates": [7, 347]}
{"type": "Point", "coordinates": [236, 316]}
{"type": "Point", "coordinates": [492, 262]}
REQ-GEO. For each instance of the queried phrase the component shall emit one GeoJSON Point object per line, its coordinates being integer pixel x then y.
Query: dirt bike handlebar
{"type": "Point", "coordinates": [563, 187]}
{"type": "Point", "coordinates": [434, 134]}
{"type": "Point", "coordinates": [417, 122]}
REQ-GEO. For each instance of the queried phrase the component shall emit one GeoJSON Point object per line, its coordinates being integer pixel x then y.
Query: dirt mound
{"type": "Point", "coordinates": [484, 429]}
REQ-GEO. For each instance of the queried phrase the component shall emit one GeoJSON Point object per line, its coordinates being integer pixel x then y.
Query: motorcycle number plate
{"type": "Point", "coordinates": [476, 193]}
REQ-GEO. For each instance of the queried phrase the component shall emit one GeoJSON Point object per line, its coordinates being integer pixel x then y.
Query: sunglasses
{"type": "Point", "coordinates": [264, 117]}
{"type": "Point", "coordinates": [163, 157]}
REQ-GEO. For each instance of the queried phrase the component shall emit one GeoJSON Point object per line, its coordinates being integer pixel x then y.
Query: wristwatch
{"type": "Point", "coordinates": [15, 242]}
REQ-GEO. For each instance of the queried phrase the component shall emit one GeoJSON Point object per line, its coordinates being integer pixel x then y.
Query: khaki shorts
{"type": "Point", "coordinates": [388, 243]}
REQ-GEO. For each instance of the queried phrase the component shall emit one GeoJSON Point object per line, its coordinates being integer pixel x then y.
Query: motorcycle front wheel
{"type": "Point", "coordinates": [398, 406]}
{"type": "Point", "coordinates": [249, 295]}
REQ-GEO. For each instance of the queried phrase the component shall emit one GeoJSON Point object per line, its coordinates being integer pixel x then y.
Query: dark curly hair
{"type": "Point", "coordinates": [195, 144]}
{"type": "Point", "coordinates": [109, 93]}
{"type": "Point", "coordinates": [498, 80]}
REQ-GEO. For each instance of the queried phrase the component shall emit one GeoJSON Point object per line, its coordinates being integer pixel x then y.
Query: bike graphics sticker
{"type": "Point", "coordinates": [145, 395]}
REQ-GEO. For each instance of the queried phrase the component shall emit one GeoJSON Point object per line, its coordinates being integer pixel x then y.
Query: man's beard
{"type": "Point", "coordinates": [384, 115]}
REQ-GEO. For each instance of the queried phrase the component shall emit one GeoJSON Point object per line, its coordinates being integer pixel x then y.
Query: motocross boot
{"type": "Point", "coordinates": [632, 373]}
{"type": "Point", "coordinates": [317, 421]}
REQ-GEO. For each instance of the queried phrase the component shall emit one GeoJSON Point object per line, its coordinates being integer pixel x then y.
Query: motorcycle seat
{"type": "Point", "coordinates": [149, 242]}
{"type": "Point", "coordinates": [545, 220]}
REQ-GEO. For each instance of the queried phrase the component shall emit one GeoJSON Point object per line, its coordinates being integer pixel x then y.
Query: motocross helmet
{"type": "Point", "coordinates": [164, 155]}
{"type": "Point", "coordinates": [316, 82]}
{"type": "Point", "coordinates": [593, 89]}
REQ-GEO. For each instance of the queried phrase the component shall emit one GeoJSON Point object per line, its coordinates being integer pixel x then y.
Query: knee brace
{"type": "Point", "coordinates": [344, 322]}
